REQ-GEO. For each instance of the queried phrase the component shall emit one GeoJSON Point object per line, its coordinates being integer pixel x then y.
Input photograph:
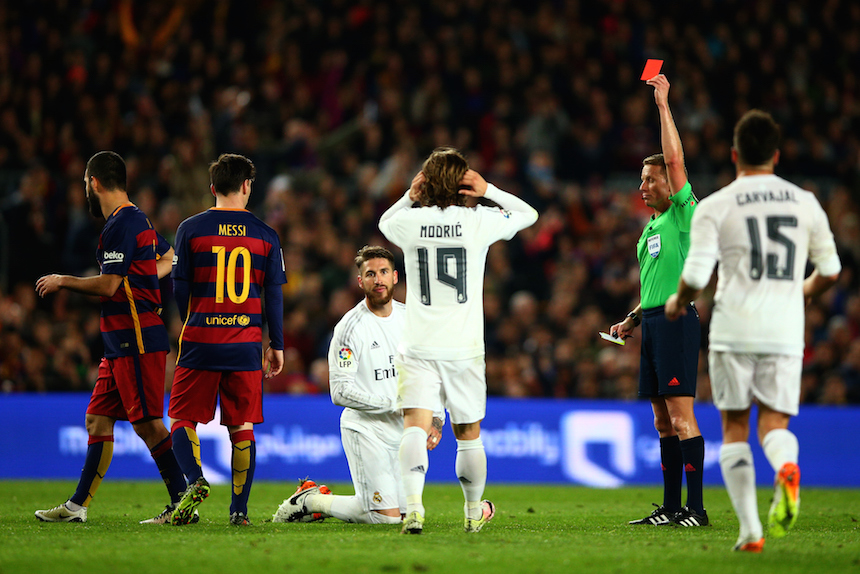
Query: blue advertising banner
{"type": "Point", "coordinates": [603, 444]}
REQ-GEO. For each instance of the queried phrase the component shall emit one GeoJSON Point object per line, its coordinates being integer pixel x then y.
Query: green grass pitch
{"type": "Point", "coordinates": [537, 529]}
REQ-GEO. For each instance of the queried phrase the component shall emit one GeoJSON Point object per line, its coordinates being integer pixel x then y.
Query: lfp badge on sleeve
{"type": "Point", "coordinates": [346, 360]}
{"type": "Point", "coordinates": [654, 245]}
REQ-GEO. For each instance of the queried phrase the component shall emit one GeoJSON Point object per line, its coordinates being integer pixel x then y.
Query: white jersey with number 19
{"type": "Point", "coordinates": [445, 251]}
{"type": "Point", "coordinates": [761, 229]}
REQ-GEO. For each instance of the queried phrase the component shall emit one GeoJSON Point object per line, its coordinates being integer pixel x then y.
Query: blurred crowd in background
{"type": "Point", "coordinates": [338, 102]}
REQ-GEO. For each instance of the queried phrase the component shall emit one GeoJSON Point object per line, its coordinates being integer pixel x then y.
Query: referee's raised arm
{"type": "Point", "coordinates": [670, 139]}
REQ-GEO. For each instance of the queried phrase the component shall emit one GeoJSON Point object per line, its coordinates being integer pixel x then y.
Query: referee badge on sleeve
{"type": "Point", "coordinates": [654, 245]}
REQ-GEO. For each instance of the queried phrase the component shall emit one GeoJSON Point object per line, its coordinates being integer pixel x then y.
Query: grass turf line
{"type": "Point", "coordinates": [537, 528]}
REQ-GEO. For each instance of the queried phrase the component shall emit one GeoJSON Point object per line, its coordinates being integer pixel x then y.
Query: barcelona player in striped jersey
{"type": "Point", "coordinates": [227, 263]}
{"type": "Point", "coordinates": [130, 386]}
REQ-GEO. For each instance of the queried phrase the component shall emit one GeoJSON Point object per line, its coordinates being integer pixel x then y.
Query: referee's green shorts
{"type": "Point", "coordinates": [669, 359]}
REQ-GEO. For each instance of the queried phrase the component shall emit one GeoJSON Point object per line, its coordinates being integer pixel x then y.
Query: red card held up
{"type": "Point", "coordinates": [652, 68]}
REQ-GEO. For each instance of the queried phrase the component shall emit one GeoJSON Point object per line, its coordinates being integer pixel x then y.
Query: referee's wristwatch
{"type": "Point", "coordinates": [636, 320]}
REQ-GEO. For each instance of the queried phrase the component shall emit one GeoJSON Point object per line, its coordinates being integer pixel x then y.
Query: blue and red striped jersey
{"type": "Point", "coordinates": [130, 319]}
{"type": "Point", "coordinates": [228, 257]}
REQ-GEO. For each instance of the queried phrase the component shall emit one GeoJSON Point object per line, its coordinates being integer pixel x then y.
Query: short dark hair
{"type": "Point", "coordinates": [109, 168]}
{"type": "Point", "coordinates": [230, 171]}
{"type": "Point", "coordinates": [656, 159]}
{"type": "Point", "coordinates": [443, 171]}
{"type": "Point", "coordinates": [756, 138]}
{"type": "Point", "coordinates": [369, 252]}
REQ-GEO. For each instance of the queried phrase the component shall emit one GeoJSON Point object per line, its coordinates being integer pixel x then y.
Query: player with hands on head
{"type": "Point", "coordinates": [363, 380]}
{"type": "Point", "coordinates": [132, 258]}
{"type": "Point", "coordinates": [227, 264]}
{"type": "Point", "coordinates": [669, 353]}
{"type": "Point", "coordinates": [440, 357]}
{"type": "Point", "coordinates": [762, 230]}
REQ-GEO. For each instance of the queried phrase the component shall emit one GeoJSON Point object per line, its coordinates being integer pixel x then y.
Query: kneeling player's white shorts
{"type": "Point", "coordinates": [375, 469]}
{"type": "Point", "coordinates": [460, 386]}
{"type": "Point", "coordinates": [774, 380]}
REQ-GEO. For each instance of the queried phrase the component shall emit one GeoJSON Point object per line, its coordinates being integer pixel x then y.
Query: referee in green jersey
{"type": "Point", "coordinates": [670, 351]}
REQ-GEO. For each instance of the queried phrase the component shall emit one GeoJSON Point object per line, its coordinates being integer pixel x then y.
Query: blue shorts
{"type": "Point", "coordinates": [669, 360]}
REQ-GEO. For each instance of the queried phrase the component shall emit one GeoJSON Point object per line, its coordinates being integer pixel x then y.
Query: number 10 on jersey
{"type": "Point", "coordinates": [226, 269]}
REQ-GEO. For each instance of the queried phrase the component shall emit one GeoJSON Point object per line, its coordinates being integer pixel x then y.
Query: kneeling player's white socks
{"type": "Point", "coordinates": [471, 468]}
{"type": "Point", "coordinates": [413, 466]}
{"type": "Point", "coordinates": [780, 446]}
{"type": "Point", "coordinates": [736, 462]}
{"type": "Point", "coordinates": [346, 508]}
{"type": "Point", "coordinates": [376, 518]}
{"type": "Point", "coordinates": [322, 503]}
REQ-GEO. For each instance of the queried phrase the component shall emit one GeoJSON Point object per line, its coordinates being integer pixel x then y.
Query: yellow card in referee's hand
{"type": "Point", "coordinates": [611, 339]}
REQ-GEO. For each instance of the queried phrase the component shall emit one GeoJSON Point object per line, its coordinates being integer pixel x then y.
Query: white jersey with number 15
{"type": "Point", "coordinates": [445, 251]}
{"type": "Point", "coordinates": [761, 229]}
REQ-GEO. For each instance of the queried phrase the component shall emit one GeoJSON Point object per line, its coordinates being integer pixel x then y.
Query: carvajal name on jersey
{"type": "Point", "coordinates": [442, 230]}
{"type": "Point", "coordinates": [232, 230]}
{"type": "Point", "coordinates": [765, 197]}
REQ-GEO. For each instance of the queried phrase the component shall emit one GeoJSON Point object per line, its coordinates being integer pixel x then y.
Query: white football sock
{"type": "Point", "coordinates": [376, 518]}
{"type": "Point", "coordinates": [736, 462]}
{"type": "Point", "coordinates": [471, 468]}
{"type": "Point", "coordinates": [413, 467]}
{"type": "Point", "coordinates": [346, 508]}
{"type": "Point", "coordinates": [321, 503]}
{"type": "Point", "coordinates": [780, 446]}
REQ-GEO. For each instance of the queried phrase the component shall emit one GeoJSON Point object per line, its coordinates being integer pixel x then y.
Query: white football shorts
{"type": "Point", "coordinates": [774, 380]}
{"type": "Point", "coordinates": [460, 386]}
{"type": "Point", "coordinates": [375, 469]}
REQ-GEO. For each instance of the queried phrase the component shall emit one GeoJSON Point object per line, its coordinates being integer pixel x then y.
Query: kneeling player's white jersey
{"type": "Point", "coordinates": [445, 251]}
{"type": "Point", "coordinates": [761, 229]}
{"type": "Point", "coordinates": [362, 377]}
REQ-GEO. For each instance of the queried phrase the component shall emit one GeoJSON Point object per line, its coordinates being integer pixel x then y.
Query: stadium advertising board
{"type": "Point", "coordinates": [604, 444]}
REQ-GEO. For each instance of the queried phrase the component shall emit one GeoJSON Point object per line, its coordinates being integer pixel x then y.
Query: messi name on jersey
{"type": "Point", "coordinates": [232, 230]}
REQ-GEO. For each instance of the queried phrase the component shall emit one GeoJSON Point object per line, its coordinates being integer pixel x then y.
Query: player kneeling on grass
{"type": "Point", "coordinates": [363, 380]}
